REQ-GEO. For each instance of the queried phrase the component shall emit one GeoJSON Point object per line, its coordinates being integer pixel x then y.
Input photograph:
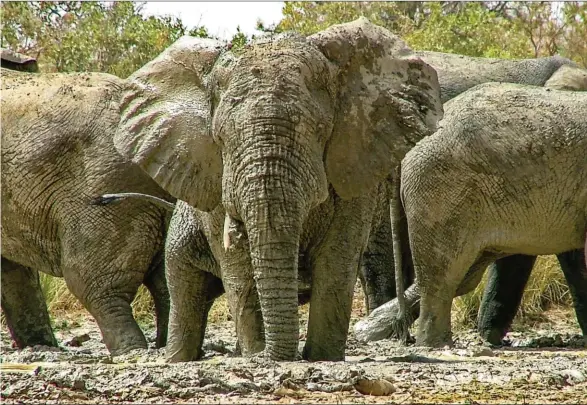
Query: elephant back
{"type": "Point", "coordinates": [457, 73]}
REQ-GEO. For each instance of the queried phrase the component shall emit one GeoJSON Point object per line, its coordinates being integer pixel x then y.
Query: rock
{"type": "Point", "coordinates": [286, 392]}
{"type": "Point", "coordinates": [558, 341]}
{"type": "Point", "coordinates": [483, 352]}
{"type": "Point", "coordinates": [77, 341]}
{"type": "Point", "coordinates": [78, 384]}
{"type": "Point", "coordinates": [377, 387]}
{"type": "Point", "coordinates": [219, 347]}
{"type": "Point", "coordinates": [574, 376]}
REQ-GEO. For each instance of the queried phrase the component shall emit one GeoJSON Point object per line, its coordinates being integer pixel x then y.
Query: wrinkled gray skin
{"type": "Point", "coordinates": [57, 155]}
{"type": "Point", "coordinates": [284, 145]}
{"type": "Point", "coordinates": [504, 174]}
{"type": "Point", "coordinates": [458, 73]}
{"type": "Point", "coordinates": [377, 279]}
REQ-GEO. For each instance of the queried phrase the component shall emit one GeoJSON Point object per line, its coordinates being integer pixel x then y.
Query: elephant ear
{"type": "Point", "coordinates": [388, 98]}
{"type": "Point", "coordinates": [568, 78]}
{"type": "Point", "coordinates": [166, 119]}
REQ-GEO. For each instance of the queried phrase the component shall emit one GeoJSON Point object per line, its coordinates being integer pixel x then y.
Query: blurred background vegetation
{"type": "Point", "coordinates": [117, 38]}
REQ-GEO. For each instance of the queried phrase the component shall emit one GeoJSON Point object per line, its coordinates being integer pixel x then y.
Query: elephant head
{"type": "Point", "coordinates": [266, 130]}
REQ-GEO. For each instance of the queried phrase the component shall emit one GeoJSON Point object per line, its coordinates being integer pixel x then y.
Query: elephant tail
{"type": "Point", "coordinates": [401, 254]}
{"type": "Point", "coordinates": [106, 199]}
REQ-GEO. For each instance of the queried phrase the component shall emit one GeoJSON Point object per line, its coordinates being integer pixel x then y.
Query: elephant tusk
{"type": "Point", "coordinates": [226, 236]}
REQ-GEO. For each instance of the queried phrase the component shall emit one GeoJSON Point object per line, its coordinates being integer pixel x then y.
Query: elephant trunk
{"type": "Point", "coordinates": [274, 247]}
{"type": "Point", "coordinates": [276, 187]}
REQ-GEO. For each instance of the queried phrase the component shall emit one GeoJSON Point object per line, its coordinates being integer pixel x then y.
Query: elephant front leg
{"type": "Point", "coordinates": [502, 296]}
{"type": "Point", "coordinates": [190, 270]}
{"type": "Point", "coordinates": [334, 274]}
{"type": "Point", "coordinates": [245, 308]}
{"type": "Point", "coordinates": [157, 286]}
{"type": "Point", "coordinates": [24, 306]}
{"type": "Point", "coordinates": [191, 301]}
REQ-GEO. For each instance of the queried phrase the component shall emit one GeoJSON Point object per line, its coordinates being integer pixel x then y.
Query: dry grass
{"type": "Point", "coordinates": [547, 288]}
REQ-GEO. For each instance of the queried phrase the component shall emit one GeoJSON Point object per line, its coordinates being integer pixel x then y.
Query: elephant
{"type": "Point", "coordinates": [458, 73]}
{"type": "Point", "coordinates": [57, 152]}
{"type": "Point", "coordinates": [17, 61]}
{"type": "Point", "coordinates": [504, 174]}
{"type": "Point", "coordinates": [188, 251]}
{"type": "Point", "coordinates": [284, 144]}
{"type": "Point", "coordinates": [505, 287]}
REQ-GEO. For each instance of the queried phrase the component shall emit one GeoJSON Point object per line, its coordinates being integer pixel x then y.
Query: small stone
{"type": "Point", "coordinates": [574, 376]}
{"type": "Point", "coordinates": [79, 384]}
{"type": "Point", "coordinates": [77, 341]}
{"type": "Point", "coordinates": [483, 352]}
{"type": "Point", "coordinates": [377, 387]}
{"type": "Point", "coordinates": [312, 387]}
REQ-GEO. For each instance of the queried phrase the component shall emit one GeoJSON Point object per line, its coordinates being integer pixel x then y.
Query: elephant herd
{"type": "Point", "coordinates": [277, 174]}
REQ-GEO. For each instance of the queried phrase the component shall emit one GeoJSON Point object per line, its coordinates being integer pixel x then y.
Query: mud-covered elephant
{"type": "Point", "coordinates": [504, 174]}
{"type": "Point", "coordinates": [57, 154]}
{"type": "Point", "coordinates": [507, 276]}
{"type": "Point", "coordinates": [458, 73]}
{"type": "Point", "coordinates": [284, 144]}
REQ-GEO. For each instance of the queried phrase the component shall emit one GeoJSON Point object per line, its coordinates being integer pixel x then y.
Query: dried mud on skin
{"type": "Point", "coordinates": [468, 373]}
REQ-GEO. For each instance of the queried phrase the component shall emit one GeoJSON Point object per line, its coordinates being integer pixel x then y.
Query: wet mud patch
{"type": "Point", "coordinates": [541, 365]}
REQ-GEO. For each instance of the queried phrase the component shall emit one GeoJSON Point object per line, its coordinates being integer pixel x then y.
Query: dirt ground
{"type": "Point", "coordinates": [545, 363]}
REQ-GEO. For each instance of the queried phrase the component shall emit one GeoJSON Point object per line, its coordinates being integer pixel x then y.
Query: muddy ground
{"type": "Point", "coordinates": [545, 363]}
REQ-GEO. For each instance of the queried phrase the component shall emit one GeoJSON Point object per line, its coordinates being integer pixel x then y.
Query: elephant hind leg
{"type": "Point", "coordinates": [157, 286]}
{"type": "Point", "coordinates": [440, 279]}
{"type": "Point", "coordinates": [24, 306]}
{"type": "Point", "coordinates": [574, 268]}
{"type": "Point", "coordinates": [502, 296]}
{"type": "Point", "coordinates": [108, 299]}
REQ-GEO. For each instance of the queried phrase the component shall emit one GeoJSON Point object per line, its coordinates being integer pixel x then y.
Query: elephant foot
{"type": "Point", "coordinates": [263, 357]}
{"type": "Point", "coordinates": [182, 354]}
{"type": "Point", "coordinates": [40, 337]}
{"type": "Point", "coordinates": [434, 340]}
{"type": "Point", "coordinates": [120, 341]}
{"type": "Point", "coordinates": [126, 348]}
{"type": "Point", "coordinates": [252, 348]}
{"type": "Point", "coordinates": [323, 353]}
{"type": "Point", "coordinates": [434, 343]}
{"type": "Point", "coordinates": [493, 336]}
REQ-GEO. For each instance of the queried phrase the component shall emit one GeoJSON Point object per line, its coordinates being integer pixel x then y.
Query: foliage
{"type": "Point", "coordinates": [109, 37]}
{"type": "Point", "coordinates": [488, 29]}
{"type": "Point", "coordinates": [310, 17]}
{"type": "Point", "coordinates": [239, 39]}
{"type": "Point", "coordinates": [551, 27]}
{"type": "Point", "coordinates": [471, 30]}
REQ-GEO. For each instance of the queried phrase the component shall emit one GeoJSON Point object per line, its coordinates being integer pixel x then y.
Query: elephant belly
{"type": "Point", "coordinates": [27, 250]}
{"type": "Point", "coordinates": [531, 239]}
